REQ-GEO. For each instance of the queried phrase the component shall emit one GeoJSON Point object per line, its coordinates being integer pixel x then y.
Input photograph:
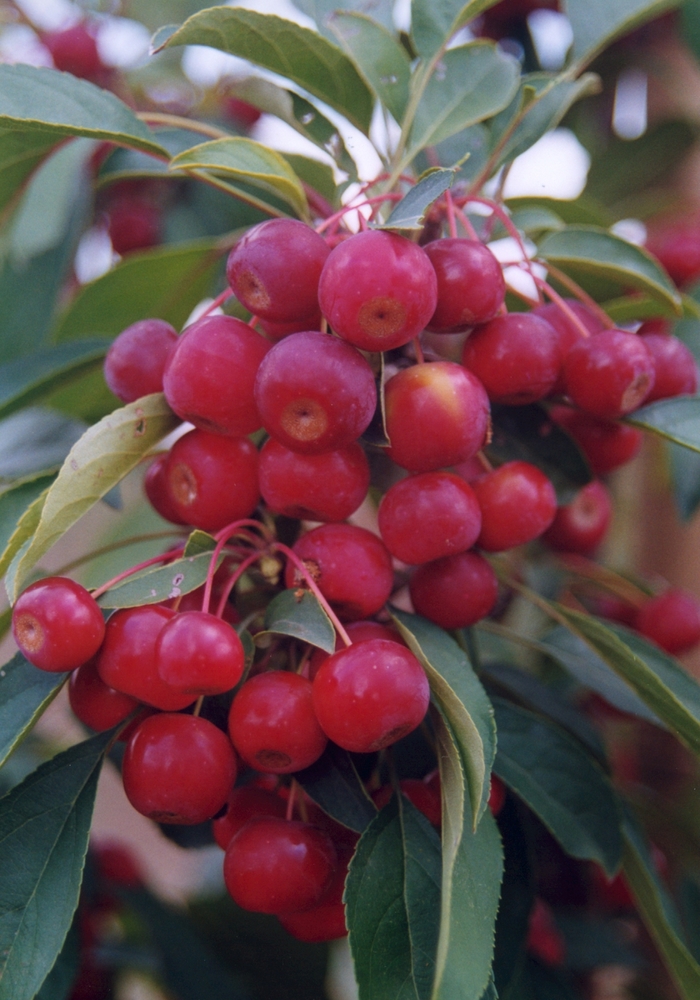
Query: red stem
{"type": "Point", "coordinates": [218, 301]}
{"type": "Point", "coordinates": [511, 229]}
{"type": "Point", "coordinates": [565, 308]}
{"type": "Point", "coordinates": [163, 557]}
{"type": "Point", "coordinates": [451, 221]}
{"type": "Point", "coordinates": [233, 580]}
{"type": "Point", "coordinates": [222, 538]}
{"type": "Point", "coordinates": [464, 219]}
{"type": "Point", "coordinates": [353, 208]}
{"type": "Point", "coordinates": [311, 584]}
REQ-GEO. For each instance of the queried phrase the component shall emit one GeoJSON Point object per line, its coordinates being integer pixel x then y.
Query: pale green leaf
{"type": "Point", "coordinates": [434, 22]}
{"type": "Point", "coordinates": [676, 419]}
{"type": "Point", "coordinates": [410, 212]}
{"type": "Point", "coordinates": [380, 59]}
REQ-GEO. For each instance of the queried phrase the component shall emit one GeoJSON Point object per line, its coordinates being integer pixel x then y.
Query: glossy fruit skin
{"type": "Point", "coordinates": [567, 332]}
{"type": "Point", "coordinates": [57, 624]}
{"type": "Point", "coordinates": [606, 445]}
{"type": "Point", "coordinates": [197, 653]}
{"type": "Point", "coordinates": [326, 487]}
{"type": "Point", "coordinates": [243, 804]}
{"type": "Point", "coordinates": [96, 705]}
{"type": "Point", "coordinates": [127, 660]}
{"type": "Point", "coordinates": [178, 769]}
{"type": "Point", "coordinates": [351, 566]}
{"type": "Point", "coordinates": [675, 368]}
{"type": "Point", "coordinates": [210, 375]}
{"type": "Point", "coordinates": [277, 866]}
{"type": "Point", "coordinates": [212, 481]}
{"type": "Point", "coordinates": [156, 489]}
{"type": "Point", "coordinates": [275, 268]}
{"type": "Point", "coordinates": [671, 620]}
{"type": "Point", "coordinates": [377, 290]}
{"type": "Point", "coordinates": [437, 415]}
{"type": "Point", "coordinates": [278, 331]}
{"type": "Point", "coordinates": [581, 525]}
{"type": "Point", "coordinates": [516, 357]}
{"type": "Point", "coordinates": [272, 723]}
{"type": "Point", "coordinates": [314, 393]}
{"type": "Point", "coordinates": [428, 516]}
{"type": "Point", "coordinates": [136, 360]}
{"type": "Point", "coordinates": [609, 374]}
{"type": "Point", "coordinates": [470, 284]}
{"type": "Point", "coordinates": [358, 632]}
{"type": "Point", "coordinates": [134, 224]}
{"type": "Point", "coordinates": [74, 50]}
{"type": "Point", "coordinates": [518, 503]}
{"type": "Point", "coordinates": [370, 695]}
{"type": "Point", "coordinates": [326, 920]}
{"type": "Point", "coordinates": [455, 591]}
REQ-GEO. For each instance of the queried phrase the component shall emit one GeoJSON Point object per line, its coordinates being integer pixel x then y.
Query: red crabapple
{"type": "Point", "coordinates": [455, 591]}
{"type": "Point", "coordinates": [580, 526]}
{"type": "Point", "coordinates": [326, 920]}
{"type": "Point", "coordinates": [74, 50]}
{"type": "Point", "coordinates": [470, 284]}
{"type": "Point", "coordinates": [516, 357]}
{"type": "Point", "coordinates": [97, 705]}
{"type": "Point", "coordinates": [377, 290]}
{"type": "Point", "coordinates": [243, 804]}
{"type": "Point", "coordinates": [57, 624]}
{"type": "Point", "coordinates": [607, 445]}
{"type": "Point", "coordinates": [609, 374]}
{"type": "Point", "coordinates": [136, 359]}
{"type": "Point", "coordinates": [326, 487]}
{"type": "Point", "coordinates": [518, 504]}
{"type": "Point", "coordinates": [675, 368]}
{"type": "Point", "coordinates": [671, 620]}
{"type": "Point", "coordinates": [370, 695]}
{"type": "Point", "coordinates": [197, 653]}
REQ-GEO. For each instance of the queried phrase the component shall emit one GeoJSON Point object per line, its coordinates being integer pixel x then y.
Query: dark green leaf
{"type": "Point", "coordinates": [517, 899]}
{"type": "Point", "coordinates": [685, 479]}
{"type": "Point", "coordinates": [379, 57]}
{"type": "Point", "coordinates": [20, 153]}
{"type": "Point", "coordinates": [597, 22]}
{"type": "Point", "coordinates": [285, 48]}
{"type": "Point", "coordinates": [333, 783]}
{"type": "Point", "coordinates": [461, 699]}
{"type": "Point", "coordinates": [628, 308]}
{"type": "Point", "coordinates": [535, 220]}
{"type": "Point", "coordinates": [676, 419]}
{"type": "Point", "coordinates": [162, 584]}
{"type": "Point", "coordinates": [434, 22]}
{"type": "Point", "coordinates": [14, 503]}
{"type": "Point", "coordinates": [58, 104]}
{"type": "Point", "coordinates": [690, 23]}
{"type": "Point", "coordinates": [103, 456]}
{"type": "Point", "coordinates": [322, 12]}
{"type": "Point", "coordinates": [27, 380]}
{"type": "Point", "coordinates": [167, 282]}
{"type": "Point", "coordinates": [124, 163]}
{"type": "Point", "coordinates": [527, 434]}
{"type": "Point", "coordinates": [25, 691]}
{"type": "Point", "coordinates": [44, 827]}
{"type": "Point", "coordinates": [411, 210]}
{"type": "Point", "coordinates": [658, 679]}
{"type": "Point", "coordinates": [392, 896]}
{"type": "Point", "coordinates": [59, 982]}
{"type": "Point", "coordinates": [558, 780]}
{"type": "Point", "coordinates": [581, 210]}
{"type": "Point", "coordinates": [35, 440]}
{"type": "Point", "coordinates": [301, 616]}
{"type": "Point", "coordinates": [448, 106]}
{"type": "Point", "coordinates": [317, 175]}
{"type": "Point", "coordinates": [658, 913]}
{"type": "Point", "coordinates": [593, 251]}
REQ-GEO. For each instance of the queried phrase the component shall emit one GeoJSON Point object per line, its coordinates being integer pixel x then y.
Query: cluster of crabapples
{"type": "Point", "coordinates": [315, 394]}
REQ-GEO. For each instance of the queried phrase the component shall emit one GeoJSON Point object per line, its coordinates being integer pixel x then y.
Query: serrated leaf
{"type": "Point", "coordinates": [167, 282]}
{"type": "Point", "coordinates": [249, 161]}
{"type": "Point", "coordinates": [334, 785]}
{"type": "Point", "coordinates": [58, 985]}
{"type": "Point", "coordinates": [434, 22]}
{"type": "Point", "coordinates": [283, 47]}
{"type": "Point", "coordinates": [676, 419]}
{"type": "Point", "coordinates": [410, 212]}
{"type": "Point", "coordinates": [44, 827]}
{"type": "Point", "coordinates": [58, 104]}
{"type": "Point", "coordinates": [100, 459]}
{"type": "Point", "coordinates": [448, 105]}
{"type": "Point", "coordinates": [658, 679]}
{"type": "Point", "coordinates": [593, 251]}
{"type": "Point", "coordinates": [527, 433]}
{"type": "Point", "coordinates": [461, 699]}
{"type": "Point", "coordinates": [658, 913]}
{"type": "Point", "coordinates": [162, 584]}
{"type": "Point", "coordinates": [28, 380]}
{"type": "Point", "coordinates": [378, 56]}
{"type": "Point", "coordinates": [301, 616]}
{"type": "Point", "coordinates": [25, 691]}
{"type": "Point", "coordinates": [561, 783]}
{"type": "Point", "coordinates": [392, 895]}
{"type": "Point", "coordinates": [596, 23]}
{"type": "Point", "coordinates": [16, 524]}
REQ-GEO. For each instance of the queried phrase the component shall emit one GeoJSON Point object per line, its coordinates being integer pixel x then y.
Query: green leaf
{"type": "Point", "coordinates": [596, 23]}
{"type": "Point", "coordinates": [301, 616]}
{"type": "Point", "coordinates": [58, 985]}
{"type": "Point", "coordinates": [334, 785]}
{"type": "Point", "coordinates": [527, 434]}
{"type": "Point", "coordinates": [58, 104]}
{"type": "Point", "coordinates": [316, 174]}
{"type": "Point", "coordinates": [21, 153]}
{"type": "Point", "coordinates": [322, 12]}
{"type": "Point", "coordinates": [35, 441]}
{"type": "Point", "coordinates": [676, 419]}
{"type": "Point", "coordinates": [411, 210]}
{"type": "Point", "coordinates": [44, 827]}
{"type": "Point", "coordinates": [685, 479]}
{"type": "Point", "coordinates": [25, 691]}
{"type": "Point", "coordinates": [690, 24]}
{"type": "Point", "coordinates": [27, 380]}
{"type": "Point", "coordinates": [434, 22]}
{"type": "Point", "coordinates": [198, 542]}
{"type": "Point", "coordinates": [284, 47]}
{"type": "Point", "coordinates": [14, 504]}
{"type": "Point", "coordinates": [461, 699]}
{"type": "Point", "coordinates": [628, 308]}
{"type": "Point", "coordinates": [246, 160]}
{"type": "Point", "coordinates": [658, 679]}
{"type": "Point", "coordinates": [392, 895]}
{"type": "Point", "coordinates": [447, 106]}
{"type": "Point", "coordinates": [658, 913]}
{"type": "Point", "coordinates": [589, 250]}
{"type": "Point", "coordinates": [96, 463]}
{"type": "Point", "coordinates": [164, 583]}
{"type": "Point", "coordinates": [380, 59]}
{"type": "Point", "coordinates": [167, 282]}
{"type": "Point", "coordinates": [561, 783]}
